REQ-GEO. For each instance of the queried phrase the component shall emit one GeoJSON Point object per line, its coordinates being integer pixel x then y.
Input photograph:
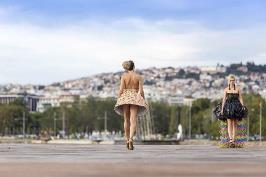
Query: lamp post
{"type": "Point", "coordinates": [24, 126]}
{"type": "Point", "coordinates": [63, 124]}
{"type": "Point", "coordinates": [55, 124]}
{"type": "Point", "coordinates": [189, 121]}
{"type": "Point", "coordinates": [260, 120]}
{"type": "Point", "coordinates": [105, 121]}
{"type": "Point", "coordinates": [248, 129]}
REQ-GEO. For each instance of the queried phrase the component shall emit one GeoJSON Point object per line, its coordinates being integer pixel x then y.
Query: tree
{"type": "Point", "coordinates": [173, 120]}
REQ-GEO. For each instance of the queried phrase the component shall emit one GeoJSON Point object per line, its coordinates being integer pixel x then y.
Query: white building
{"type": "Point", "coordinates": [47, 102]}
{"type": "Point", "coordinates": [50, 101]}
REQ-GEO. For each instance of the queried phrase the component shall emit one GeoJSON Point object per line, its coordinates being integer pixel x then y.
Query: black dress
{"type": "Point", "coordinates": [233, 109]}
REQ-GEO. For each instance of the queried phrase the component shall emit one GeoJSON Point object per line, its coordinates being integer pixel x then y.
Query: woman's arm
{"type": "Point", "coordinates": [122, 86]}
{"type": "Point", "coordinates": [240, 96]}
{"type": "Point", "coordinates": [224, 98]}
{"type": "Point", "coordinates": [141, 90]}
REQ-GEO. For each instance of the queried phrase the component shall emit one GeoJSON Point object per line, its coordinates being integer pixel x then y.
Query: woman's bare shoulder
{"type": "Point", "coordinates": [238, 88]}
{"type": "Point", "coordinates": [140, 78]}
{"type": "Point", "coordinates": [124, 75]}
{"type": "Point", "coordinates": [225, 89]}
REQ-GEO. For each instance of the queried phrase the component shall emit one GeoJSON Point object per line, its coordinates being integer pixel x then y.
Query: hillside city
{"type": "Point", "coordinates": [172, 85]}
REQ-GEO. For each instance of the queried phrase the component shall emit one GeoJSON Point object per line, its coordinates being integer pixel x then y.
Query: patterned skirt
{"type": "Point", "coordinates": [241, 135]}
{"type": "Point", "coordinates": [131, 97]}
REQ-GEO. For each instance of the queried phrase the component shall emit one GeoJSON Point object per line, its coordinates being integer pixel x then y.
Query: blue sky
{"type": "Point", "coordinates": [223, 13]}
{"type": "Point", "coordinates": [43, 41]}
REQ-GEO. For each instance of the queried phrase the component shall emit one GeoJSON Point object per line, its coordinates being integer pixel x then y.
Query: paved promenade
{"type": "Point", "coordinates": [45, 160]}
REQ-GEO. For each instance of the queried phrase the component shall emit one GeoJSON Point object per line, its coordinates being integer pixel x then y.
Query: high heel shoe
{"type": "Point", "coordinates": [231, 143]}
{"type": "Point", "coordinates": [131, 147]}
{"type": "Point", "coordinates": [127, 143]}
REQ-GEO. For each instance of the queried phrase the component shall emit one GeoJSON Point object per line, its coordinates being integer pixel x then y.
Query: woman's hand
{"type": "Point", "coordinates": [122, 86]}
{"type": "Point", "coordinates": [240, 97]}
{"type": "Point", "coordinates": [223, 102]}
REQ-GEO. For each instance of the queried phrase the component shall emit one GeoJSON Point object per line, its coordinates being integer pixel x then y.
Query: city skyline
{"type": "Point", "coordinates": [45, 42]}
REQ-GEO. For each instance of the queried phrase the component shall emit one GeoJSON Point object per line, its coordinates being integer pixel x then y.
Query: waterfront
{"type": "Point", "coordinates": [30, 160]}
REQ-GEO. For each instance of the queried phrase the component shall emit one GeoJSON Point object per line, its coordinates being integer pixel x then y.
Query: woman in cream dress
{"type": "Point", "coordinates": [130, 102]}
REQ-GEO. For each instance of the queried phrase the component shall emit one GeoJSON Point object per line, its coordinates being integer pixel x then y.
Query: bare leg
{"type": "Point", "coordinates": [229, 128]}
{"type": "Point", "coordinates": [133, 119]}
{"type": "Point", "coordinates": [233, 129]}
{"type": "Point", "coordinates": [126, 120]}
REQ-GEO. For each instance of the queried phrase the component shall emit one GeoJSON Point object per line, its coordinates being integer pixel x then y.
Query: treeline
{"type": "Point", "coordinates": [251, 67]}
{"type": "Point", "coordinates": [235, 68]}
{"type": "Point", "coordinates": [88, 115]}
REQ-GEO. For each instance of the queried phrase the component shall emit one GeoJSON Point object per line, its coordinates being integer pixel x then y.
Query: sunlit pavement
{"type": "Point", "coordinates": [43, 160]}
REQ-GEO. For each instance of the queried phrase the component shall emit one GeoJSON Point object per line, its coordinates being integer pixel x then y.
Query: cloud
{"type": "Point", "coordinates": [87, 49]}
{"type": "Point", "coordinates": [33, 53]}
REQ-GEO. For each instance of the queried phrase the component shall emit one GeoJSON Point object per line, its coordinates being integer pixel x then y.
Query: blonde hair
{"type": "Point", "coordinates": [231, 77]}
{"type": "Point", "coordinates": [128, 65]}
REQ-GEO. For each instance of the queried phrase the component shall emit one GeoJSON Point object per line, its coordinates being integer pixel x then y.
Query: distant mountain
{"type": "Point", "coordinates": [196, 81]}
{"type": "Point", "coordinates": [170, 73]}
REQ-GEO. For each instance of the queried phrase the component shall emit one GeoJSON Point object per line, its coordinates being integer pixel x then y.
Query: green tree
{"type": "Point", "coordinates": [173, 120]}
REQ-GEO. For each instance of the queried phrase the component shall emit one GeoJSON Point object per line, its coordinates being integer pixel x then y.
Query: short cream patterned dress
{"type": "Point", "coordinates": [131, 97]}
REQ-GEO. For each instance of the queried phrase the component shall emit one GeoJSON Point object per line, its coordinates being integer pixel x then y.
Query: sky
{"type": "Point", "coordinates": [45, 41]}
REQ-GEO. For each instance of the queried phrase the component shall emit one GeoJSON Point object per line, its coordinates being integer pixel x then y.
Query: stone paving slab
{"type": "Point", "coordinates": [45, 160]}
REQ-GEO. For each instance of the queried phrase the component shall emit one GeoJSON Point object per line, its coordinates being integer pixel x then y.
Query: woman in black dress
{"type": "Point", "coordinates": [232, 108]}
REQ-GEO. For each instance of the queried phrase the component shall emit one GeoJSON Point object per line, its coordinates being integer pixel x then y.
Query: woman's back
{"type": "Point", "coordinates": [131, 80]}
{"type": "Point", "coordinates": [130, 102]}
